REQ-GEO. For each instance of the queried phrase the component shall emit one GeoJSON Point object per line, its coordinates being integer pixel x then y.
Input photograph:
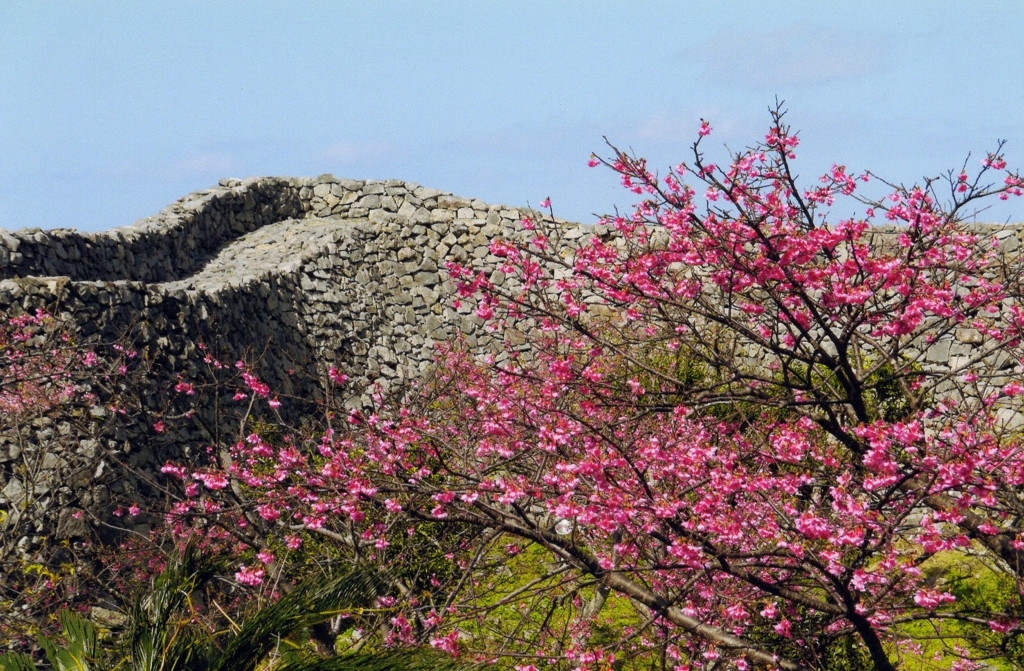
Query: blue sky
{"type": "Point", "coordinates": [111, 110]}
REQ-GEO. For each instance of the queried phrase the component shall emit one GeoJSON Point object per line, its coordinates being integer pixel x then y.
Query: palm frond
{"type": "Point", "coordinates": [157, 637]}
{"type": "Point", "coordinates": [304, 607]}
{"type": "Point", "coordinates": [160, 635]}
{"type": "Point", "coordinates": [81, 649]}
{"type": "Point", "coordinates": [16, 661]}
{"type": "Point", "coordinates": [419, 659]}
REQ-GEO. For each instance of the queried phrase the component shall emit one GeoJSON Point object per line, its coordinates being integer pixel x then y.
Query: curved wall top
{"type": "Point", "coordinates": [322, 269]}
{"type": "Point", "coordinates": [181, 239]}
{"type": "Point", "coordinates": [184, 236]}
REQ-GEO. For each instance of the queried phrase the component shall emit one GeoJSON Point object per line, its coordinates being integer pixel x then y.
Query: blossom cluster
{"type": "Point", "coordinates": [725, 414]}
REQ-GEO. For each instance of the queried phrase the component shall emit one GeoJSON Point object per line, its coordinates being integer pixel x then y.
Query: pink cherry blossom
{"type": "Point", "coordinates": [250, 576]}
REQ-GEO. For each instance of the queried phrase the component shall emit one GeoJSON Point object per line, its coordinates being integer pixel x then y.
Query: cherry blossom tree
{"type": "Point", "coordinates": [741, 433]}
{"type": "Point", "coordinates": [43, 401]}
{"type": "Point", "coordinates": [63, 398]}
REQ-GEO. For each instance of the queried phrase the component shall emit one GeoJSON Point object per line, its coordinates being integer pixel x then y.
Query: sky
{"type": "Point", "coordinates": [111, 110]}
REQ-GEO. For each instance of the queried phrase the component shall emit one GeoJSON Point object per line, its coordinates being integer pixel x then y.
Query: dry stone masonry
{"type": "Point", "coordinates": [292, 274]}
{"type": "Point", "coordinates": [301, 270]}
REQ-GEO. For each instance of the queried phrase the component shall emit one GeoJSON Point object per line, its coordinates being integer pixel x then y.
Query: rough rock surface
{"type": "Point", "coordinates": [292, 274]}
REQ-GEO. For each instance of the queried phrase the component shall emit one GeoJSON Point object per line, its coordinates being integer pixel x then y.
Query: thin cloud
{"type": "Point", "coordinates": [799, 55]}
{"type": "Point", "coordinates": [682, 127]}
{"type": "Point", "coordinates": [531, 141]}
{"type": "Point", "coordinates": [208, 164]}
{"type": "Point", "coordinates": [359, 152]}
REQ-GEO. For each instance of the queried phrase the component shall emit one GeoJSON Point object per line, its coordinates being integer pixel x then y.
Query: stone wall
{"type": "Point", "coordinates": [323, 269]}
{"type": "Point", "coordinates": [174, 243]}
{"type": "Point", "coordinates": [292, 274]}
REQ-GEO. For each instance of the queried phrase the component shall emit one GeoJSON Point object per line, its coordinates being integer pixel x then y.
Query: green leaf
{"type": "Point", "coordinates": [422, 659]}
{"type": "Point", "coordinates": [16, 661]}
{"type": "Point", "coordinates": [155, 639]}
{"type": "Point", "coordinates": [81, 644]}
{"type": "Point", "coordinates": [304, 607]}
